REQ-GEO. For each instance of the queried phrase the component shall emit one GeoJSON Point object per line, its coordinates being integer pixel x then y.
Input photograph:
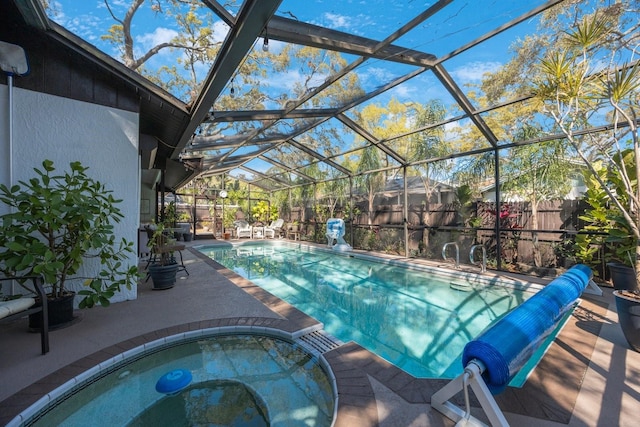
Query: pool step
{"type": "Point", "coordinates": [318, 342]}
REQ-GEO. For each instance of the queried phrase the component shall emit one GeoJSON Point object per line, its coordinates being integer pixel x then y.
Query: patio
{"type": "Point", "coordinates": [587, 378]}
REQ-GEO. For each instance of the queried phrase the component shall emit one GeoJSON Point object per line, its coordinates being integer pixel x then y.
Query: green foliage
{"type": "Point", "coordinates": [464, 205]}
{"type": "Point", "coordinates": [57, 222]}
{"type": "Point", "coordinates": [169, 215]}
{"type": "Point", "coordinates": [351, 216]}
{"type": "Point", "coordinates": [229, 217]}
{"type": "Point", "coordinates": [183, 217]}
{"type": "Point", "coordinates": [161, 237]}
{"type": "Point", "coordinates": [604, 216]}
{"type": "Point", "coordinates": [321, 213]}
{"type": "Point", "coordinates": [263, 212]}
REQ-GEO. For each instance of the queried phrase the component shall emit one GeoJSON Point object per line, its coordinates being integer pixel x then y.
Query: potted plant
{"type": "Point", "coordinates": [60, 226]}
{"type": "Point", "coordinates": [183, 221]}
{"type": "Point", "coordinates": [164, 267]}
{"type": "Point", "coordinates": [573, 88]}
{"type": "Point", "coordinates": [228, 220]}
{"type": "Point", "coordinates": [170, 218]}
{"type": "Point", "coordinates": [618, 241]}
{"type": "Point", "coordinates": [628, 308]}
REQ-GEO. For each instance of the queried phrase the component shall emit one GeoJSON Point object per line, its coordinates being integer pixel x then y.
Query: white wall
{"type": "Point", "coordinates": [103, 139]}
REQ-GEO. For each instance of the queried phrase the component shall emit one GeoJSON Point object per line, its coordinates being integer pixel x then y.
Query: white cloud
{"type": "Point", "coordinates": [379, 75]}
{"type": "Point", "coordinates": [403, 92]}
{"type": "Point", "coordinates": [285, 81]}
{"type": "Point", "coordinates": [118, 3]}
{"type": "Point", "coordinates": [473, 71]}
{"type": "Point", "coordinates": [159, 35]}
{"type": "Point", "coordinates": [220, 30]}
{"type": "Point", "coordinates": [337, 21]}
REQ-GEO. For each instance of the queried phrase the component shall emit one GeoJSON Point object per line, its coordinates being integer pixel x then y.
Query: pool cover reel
{"type": "Point", "coordinates": [505, 347]}
{"type": "Point", "coordinates": [492, 359]}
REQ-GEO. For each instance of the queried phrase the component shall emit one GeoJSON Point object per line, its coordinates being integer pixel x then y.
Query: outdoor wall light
{"type": "Point", "coordinates": [265, 44]}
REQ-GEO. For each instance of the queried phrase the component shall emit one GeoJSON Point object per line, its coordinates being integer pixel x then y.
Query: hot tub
{"type": "Point", "coordinates": [233, 379]}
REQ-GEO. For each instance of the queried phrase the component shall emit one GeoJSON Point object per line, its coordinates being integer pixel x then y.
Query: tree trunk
{"type": "Point", "coordinates": [370, 213]}
{"type": "Point", "coordinates": [425, 232]}
{"type": "Point", "coordinates": [637, 264]}
{"type": "Point", "coordinates": [537, 257]}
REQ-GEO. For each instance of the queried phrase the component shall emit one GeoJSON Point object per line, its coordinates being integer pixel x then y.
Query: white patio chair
{"type": "Point", "coordinates": [273, 228]}
{"type": "Point", "coordinates": [243, 229]}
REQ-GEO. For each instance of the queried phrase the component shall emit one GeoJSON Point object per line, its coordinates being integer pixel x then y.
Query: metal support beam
{"type": "Point", "coordinates": [372, 139]}
{"type": "Point", "coordinates": [317, 155]}
{"type": "Point", "coordinates": [464, 103]}
{"type": "Point", "coordinates": [405, 212]}
{"type": "Point", "coordinates": [251, 20]}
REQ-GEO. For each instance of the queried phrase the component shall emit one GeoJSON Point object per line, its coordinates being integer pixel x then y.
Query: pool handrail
{"type": "Point", "coordinates": [484, 256]}
{"type": "Point", "coordinates": [444, 252]}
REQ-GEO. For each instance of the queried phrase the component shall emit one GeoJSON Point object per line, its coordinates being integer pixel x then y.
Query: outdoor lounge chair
{"type": "Point", "coordinates": [24, 306]}
{"type": "Point", "coordinates": [273, 228]}
{"type": "Point", "coordinates": [243, 229]}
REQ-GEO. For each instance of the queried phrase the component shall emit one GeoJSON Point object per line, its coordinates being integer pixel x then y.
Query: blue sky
{"type": "Point", "coordinates": [455, 25]}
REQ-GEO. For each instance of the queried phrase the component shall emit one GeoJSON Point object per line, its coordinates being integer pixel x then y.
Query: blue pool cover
{"type": "Point", "coordinates": [505, 347]}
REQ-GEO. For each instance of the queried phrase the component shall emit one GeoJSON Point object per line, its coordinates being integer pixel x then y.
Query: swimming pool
{"type": "Point", "coordinates": [240, 378]}
{"type": "Point", "coordinates": [415, 317]}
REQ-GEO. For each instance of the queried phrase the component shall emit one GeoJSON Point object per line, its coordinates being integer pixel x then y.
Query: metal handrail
{"type": "Point", "coordinates": [444, 252]}
{"type": "Point", "coordinates": [484, 256]}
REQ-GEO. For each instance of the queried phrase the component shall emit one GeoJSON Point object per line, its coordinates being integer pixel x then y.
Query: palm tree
{"type": "Point", "coordinates": [429, 144]}
{"type": "Point", "coordinates": [370, 182]}
{"type": "Point", "coordinates": [574, 90]}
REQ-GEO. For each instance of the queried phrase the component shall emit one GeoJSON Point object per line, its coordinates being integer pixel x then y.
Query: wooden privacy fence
{"type": "Point", "coordinates": [383, 230]}
{"type": "Point", "coordinates": [432, 225]}
{"type": "Point", "coordinates": [557, 215]}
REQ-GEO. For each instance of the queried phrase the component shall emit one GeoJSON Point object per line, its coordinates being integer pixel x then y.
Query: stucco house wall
{"type": "Point", "coordinates": [104, 139]}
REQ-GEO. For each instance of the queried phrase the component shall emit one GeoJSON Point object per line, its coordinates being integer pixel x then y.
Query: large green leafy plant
{"type": "Point", "coordinates": [264, 212]}
{"type": "Point", "coordinates": [59, 222]}
{"type": "Point", "coordinates": [608, 226]}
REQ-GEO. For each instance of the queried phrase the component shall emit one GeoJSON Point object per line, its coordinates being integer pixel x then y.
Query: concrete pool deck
{"type": "Point", "coordinates": [588, 377]}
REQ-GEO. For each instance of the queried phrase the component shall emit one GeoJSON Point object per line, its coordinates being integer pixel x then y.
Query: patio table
{"type": "Point", "coordinates": [257, 233]}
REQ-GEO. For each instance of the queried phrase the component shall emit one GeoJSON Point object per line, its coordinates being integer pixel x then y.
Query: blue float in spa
{"type": "Point", "coordinates": [174, 381]}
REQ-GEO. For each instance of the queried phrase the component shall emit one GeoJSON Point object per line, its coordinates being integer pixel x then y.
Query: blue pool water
{"type": "Point", "coordinates": [418, 320]}
{"type": "Point", "coordinates": [237, 380]}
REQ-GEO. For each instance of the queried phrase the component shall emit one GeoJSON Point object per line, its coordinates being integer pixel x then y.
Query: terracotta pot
{"type": "Point", "coordinates": [628, 308]}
